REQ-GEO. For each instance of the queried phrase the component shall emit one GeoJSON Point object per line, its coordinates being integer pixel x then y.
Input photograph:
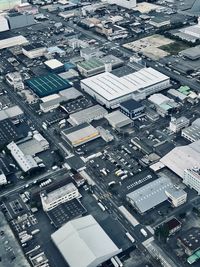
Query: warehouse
{"type": "Point", "coordinates": [154, 193]}
{"type": "Point", "coordinates": [17, 20]}
{"type": "Point", "coordinates": [110, 90]}
{"type": "Point", "coordinates": [90, 67]}
{"type": "Point", "coordinates": [96, 112]}
{"type": "Point", "coordinates": [47, 84]}
{"type": "Point", "coordinates": [118, 120]}
{"type": "Point", "coordinates": [83, 243]}
{"type": "Point", "coordinates": [79, 135]}
{"type": "Point", "coordinates": [14, 113]}
{"type": "Point", "coordinates": [183, 157]}
{"type": "Point", "coordinates": [192, 133]}
{"type": "Point", "coordinates": [13, 41]}
{"type": "Point", "coordinates": [34, 50]}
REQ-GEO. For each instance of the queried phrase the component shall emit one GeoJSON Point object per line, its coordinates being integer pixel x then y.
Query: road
{"type": "Point", "coordinates": [29, 182]}
{"type": "Point", "coordinates": [35, 119]}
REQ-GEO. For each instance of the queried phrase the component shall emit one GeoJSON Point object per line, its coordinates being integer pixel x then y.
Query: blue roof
{"type": "Point", "coordinates": [131, 104]}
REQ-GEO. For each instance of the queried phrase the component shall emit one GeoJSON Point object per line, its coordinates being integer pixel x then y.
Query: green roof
{"type": "Point", "coordinates": [165, 106]}
{"type": "Point", "coordinates": [47, 84]}
{"type": "Point", "coordinates": [192, 259]}
{"type": "Point", "coordinates": [184, 90]}
{"type": "Point", "coordinates": [91, 64]}
{"type": "Point", "coordinates": [197, 253]}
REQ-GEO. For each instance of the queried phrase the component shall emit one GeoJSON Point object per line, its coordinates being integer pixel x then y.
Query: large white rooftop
{"type": "Point", "coordinates": [111, 87]}
{"type": "Point", "coordinates": [83, 243]}
{"type": "Point", "coordinates": [183, 157]}
{"type": "Point", "coordinates": [13, 41]}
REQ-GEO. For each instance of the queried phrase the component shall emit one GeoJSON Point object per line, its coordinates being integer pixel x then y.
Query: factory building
{"type": "Point", "coordinates": [14, 113]}
{"type": "Point", "coordinates": [176, 125]}
{"type": "Point", "coordinates": [159, 22]}
{"type": "Point", "coordinates": [110, 90]}
{"type": "Point", "coordinates": [3, 24]}
{"type": "Point", "coordinates": [96, 112]}
{"type": "Point", "coordinates": [133, 109]}
{"type": "Point", "coordinates": [54, 65]}
{"type": "Point", "coordinates": [13, 41]}
{"type": "Point", "coordinates": [79, 135]}
{"type": "Point", "coordinates": [60, 195]}
{"type": "Point", "coordinates": [9, 4]}
{"type": "Point", "coordinates": [163, 104]}
{"type": "Point", "coordinates": [34, 50]}
{"type": "Point", "coordinates": [129, 4]}
{"type": "Point", "coordinates": [192, 133]}
{"type": "Point", "coordinates": [118, 120]}
{"type": "Point", "coordinates": [83, 243]}
{"type": "Point", "coordinates": [183, 157]}
{"type": "Point", "coordinates": [18, 20]}
{"type": "Point", "coordinates": [154, 193]}
{"type": "Point", "coordinates": [25, 162]}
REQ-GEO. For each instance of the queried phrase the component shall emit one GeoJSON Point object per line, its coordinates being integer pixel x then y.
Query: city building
{"type": "Point", "coordinates": [176, 125]}
{"type": "Point", "coordinates": [18, 20]}
{"type": "Point", "coordinates": [3, 179]}
{"type": "Point", "coordinates": [96, 112]}
{"type": "Point", "coordinates": [54, 65]}
{"type": "Point", "coordinates": [163, 104]}
{"type": "Point", "coordinates": [129, 4]}
{"type": "Point", "coordinates": [154, 193]}
{"type": "Point", "coordinates": [90, 52]}
{"type": "Point", "coordinates": [177, 95]}
{"type": "Point", "coordinates": [85, 236]}
{"type": "Point", "coordinates": [90, 67]}
{"type": "Point", "coordinates": [192, 53]}
{"type": "Point", "coordinates": [176, 196]}
{"type": "Point", "coordinates": [173, 226]}
{"type": "Point", "coordinates": [33, 144]}
{"type": "Point", "coordinates": [25, 162]}
{"type": "Point", "coordinates": [159, 22]}
{"type": "Point", "coordinates": [192, 133]}
{"type": "Point", "coordinates": [52, 102]}
{"type": "Point", "coordinates": [15, 80]}
{"type": "Point", "coordinates": [190, 240]}
{"type": "Point", "coordinates": [3, 24]}
{"type": "Point", "coordinates": [192, 31]}
{"type": "Point", "coordinates": [9, 4]}
{"type": "Point", "coordinates": [191, 178]}
{"type": "Point", "coordinates": [118, 120]}
{"type": "Point", "coordinates": [133, 109]}
{"type": "Point", "coordinates": [110, 90]}
{"type": "Point", "coordinates": [80, 134]}
{"type": "Point", "coordinates": [183, 157]}
{"type": "Point", "coordinates": [34, 51]}
{"type": "Point", "coordinates": [56, 197]}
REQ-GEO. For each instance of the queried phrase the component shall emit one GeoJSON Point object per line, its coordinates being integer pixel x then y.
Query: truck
{"type": "Point", "coordinates": [114, 262]}
{"type": "Point", "coordinates": [124, 177]}
{"type": "Point", "coordinates": [130, 237]}
{"type": "Point", "coordinates": [118, 261]}
{"type": "Point", "coordinates": [95, 196]}
{"type": "Point", "coordinates": [104, 171]}
{"type": "Point", "coordinates": [143, 232]}
{"type": "Point", "coordinates": [119, 173]}
{"type": "Point", "coordinates": [36, 231]}
{"type": "Point", "coordinates": [101, 206]}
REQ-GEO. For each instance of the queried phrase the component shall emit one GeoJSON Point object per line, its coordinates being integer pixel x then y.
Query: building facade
{"type": "Point", "coordinates": [58, 196]}
{"type": "Point", "coordinates": [192, 179]}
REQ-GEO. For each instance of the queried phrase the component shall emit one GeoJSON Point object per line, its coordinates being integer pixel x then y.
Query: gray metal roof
{"type": "Point", "coordinates": [83, 243]}
{"type": "Point", "coordinates": [150, 195]}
